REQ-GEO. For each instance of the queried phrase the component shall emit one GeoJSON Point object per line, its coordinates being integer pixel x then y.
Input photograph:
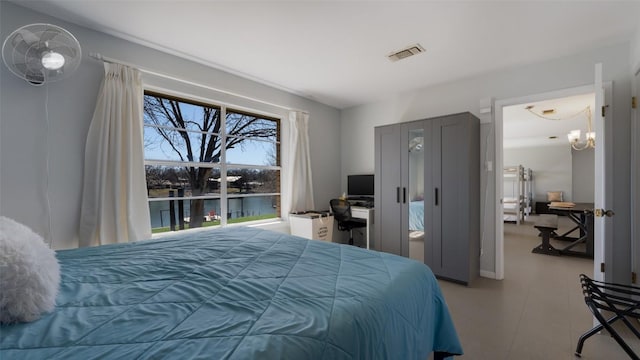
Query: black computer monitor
{"type": "Point", "coordinates": [360, 185]}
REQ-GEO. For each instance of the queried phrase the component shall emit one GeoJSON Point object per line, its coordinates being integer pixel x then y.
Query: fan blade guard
{"type": "Point", "coordinates": [22, 52]}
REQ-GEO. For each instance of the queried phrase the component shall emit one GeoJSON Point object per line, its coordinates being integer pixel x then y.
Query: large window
{"type": "Point", "coordinates": [208, 164]}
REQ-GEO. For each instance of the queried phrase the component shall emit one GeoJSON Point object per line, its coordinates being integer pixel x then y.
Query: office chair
{"type": "Point", "coordinates": [341, 210]}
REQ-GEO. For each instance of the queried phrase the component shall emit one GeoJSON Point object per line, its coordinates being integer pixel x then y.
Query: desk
{"type": "Point", "coordinates": [582, 215]}
{"type": "Point", "coordinates": [359, 212]}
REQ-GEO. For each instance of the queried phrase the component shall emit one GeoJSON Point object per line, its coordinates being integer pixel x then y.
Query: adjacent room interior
{"type": "Point", "coordinates": [548, 163]}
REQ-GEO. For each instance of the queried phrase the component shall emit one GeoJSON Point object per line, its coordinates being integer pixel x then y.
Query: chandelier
{"type": "Point", "coordinates": [574, 135]}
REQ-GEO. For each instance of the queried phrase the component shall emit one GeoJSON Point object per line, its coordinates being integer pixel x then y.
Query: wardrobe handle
{"type": "Point", "coordinates": [398, 194]}
{"type": "Point", "coordinates": [404, 195]}
{"type": "Point", "coordinates": [436, 196]}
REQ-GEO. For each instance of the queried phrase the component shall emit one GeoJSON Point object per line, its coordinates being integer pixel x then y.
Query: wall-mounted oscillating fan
{"type": "Point", "coordinates": [39, 53]}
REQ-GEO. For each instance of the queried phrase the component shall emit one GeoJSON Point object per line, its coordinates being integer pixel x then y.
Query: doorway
{"type": "Point", "coordinates": [502, 107]}
{"type": "Point", "coordinates": [542, 168]}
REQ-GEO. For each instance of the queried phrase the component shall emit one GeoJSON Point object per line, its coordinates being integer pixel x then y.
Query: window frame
{"type": "Point", "coordinates": [222, 166]}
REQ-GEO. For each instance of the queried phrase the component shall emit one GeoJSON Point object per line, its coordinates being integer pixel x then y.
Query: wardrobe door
{"type": "Point", "coordinates": [415, 157]}
{"type": "Point", "coordinates": [450, 204]}
{"type": "Point", "coordinates": [450, 228]}
{"type": "Point", "coordinates": [388, 189]}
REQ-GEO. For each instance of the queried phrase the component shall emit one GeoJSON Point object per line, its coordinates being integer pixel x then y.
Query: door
{"type": "Point", "coordinates": [453, 202]}
{"type": "Point", "coordinates": [388, 190]}
{"type": "Point", "coordinates": [600, 222]}
{"type": "Point", "coordinates": [635, 176]}
{"type": "Point", "coordinates": [447, 231]}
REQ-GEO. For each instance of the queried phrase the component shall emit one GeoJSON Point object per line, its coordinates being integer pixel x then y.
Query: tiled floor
{"type": "Point", "coordinates": [536, 312]}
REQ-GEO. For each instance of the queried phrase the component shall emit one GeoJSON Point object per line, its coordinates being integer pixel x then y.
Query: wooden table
{"type": "Point", "coordinates": [582, 215]}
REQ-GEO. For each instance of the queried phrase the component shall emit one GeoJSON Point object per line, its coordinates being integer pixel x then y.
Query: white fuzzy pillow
{"type": "Point", "coordinates": [29, 273]}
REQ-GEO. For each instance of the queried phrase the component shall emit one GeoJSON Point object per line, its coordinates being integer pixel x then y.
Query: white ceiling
{"type": "Point", "coordinates": [335, 52]}
{"type": "Point", "coordinates": [523, 129]}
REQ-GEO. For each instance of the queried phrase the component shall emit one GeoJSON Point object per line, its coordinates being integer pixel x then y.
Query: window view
{"type": "Point", "coordinates": [209, 165]}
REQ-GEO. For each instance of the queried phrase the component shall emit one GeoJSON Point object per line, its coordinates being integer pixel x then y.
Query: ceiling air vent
{"type": "Point", "coordinates": [406, 52]}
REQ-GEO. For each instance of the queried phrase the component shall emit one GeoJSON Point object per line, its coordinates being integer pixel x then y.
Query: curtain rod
{"type": "Point", "coordinates": [100, 57]}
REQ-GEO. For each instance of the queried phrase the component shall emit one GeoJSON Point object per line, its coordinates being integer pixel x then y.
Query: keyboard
{"type": "Point", "coordinates": [362, 203]}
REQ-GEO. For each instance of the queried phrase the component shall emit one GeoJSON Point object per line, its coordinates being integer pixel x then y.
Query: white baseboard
{"type": "Point", "coordinates": [488, 274]}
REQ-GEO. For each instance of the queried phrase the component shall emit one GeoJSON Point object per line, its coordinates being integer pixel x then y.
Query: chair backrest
{"type": "Point", "coordinates": [341, 210]}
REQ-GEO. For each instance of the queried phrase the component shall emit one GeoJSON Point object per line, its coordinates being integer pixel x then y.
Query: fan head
{"type": "Point", "coordinates": [39, 53]}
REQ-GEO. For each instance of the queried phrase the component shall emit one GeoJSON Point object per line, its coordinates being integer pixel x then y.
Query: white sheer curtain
{"type": "Point", "coordinates": [114, 198]}
{"type": "Point", "coordinates": [300, 163]}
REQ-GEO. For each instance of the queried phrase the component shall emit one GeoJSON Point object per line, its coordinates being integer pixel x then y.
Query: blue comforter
{"type": "Point", "coordinates": [237, 293]}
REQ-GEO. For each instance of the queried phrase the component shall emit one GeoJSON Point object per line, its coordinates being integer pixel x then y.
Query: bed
{"type": "Point", "coordinates": [238, 293]}
{"type": "Point", "coordinates": [416, 215]}
{"type": "Point", "coordinates": [517, 193]}
{"type": "Point", "coordinates": [513, 209]}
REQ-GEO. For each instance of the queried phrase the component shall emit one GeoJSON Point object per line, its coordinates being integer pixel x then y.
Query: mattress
{"type": "Point", "coordinates": [237, 293]}
{"type": "Point", "coordinates": [511, 206]}
{"type": "Point", "coordinates": [510, 200]}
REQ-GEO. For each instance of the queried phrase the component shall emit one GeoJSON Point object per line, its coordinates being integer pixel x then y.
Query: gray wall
{"type": "Point", "coordinates": [557, 168]}
{"type": "Point", "coordinates": [583, 175]}
{"type": "Point", "coordinates": [25, 140]}
{"type": "Point", "coordinates": [551, 167]}
{"type": "Point", "coordinates": [467, 95]}
{"type": "Point", "coordinates": [635, 50]}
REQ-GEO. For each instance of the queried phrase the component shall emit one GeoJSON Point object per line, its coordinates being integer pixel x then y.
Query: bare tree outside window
{"type": "Point", "coordinates": [180, 131]}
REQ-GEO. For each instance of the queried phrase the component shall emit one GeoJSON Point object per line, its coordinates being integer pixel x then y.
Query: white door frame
{"type": "Point", "coordinates": [635, 176]}
{"type": "Point", "coordinates": [499, 161]}
{"type": "Point", "coordinates": [602, 198]}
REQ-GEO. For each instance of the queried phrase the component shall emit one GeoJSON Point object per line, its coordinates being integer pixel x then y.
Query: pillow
{"type": "Point", "coordinates": [29, 273]}
{"type": "Point", "coordinates": [554, 196]}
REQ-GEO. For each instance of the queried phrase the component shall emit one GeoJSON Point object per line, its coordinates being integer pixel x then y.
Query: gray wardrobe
{"type": "Point", "coordinates": [427, 193]}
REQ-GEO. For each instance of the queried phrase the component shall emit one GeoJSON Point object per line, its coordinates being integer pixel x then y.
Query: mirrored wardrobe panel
{"type": "Point", "coordinates": [416, 194]}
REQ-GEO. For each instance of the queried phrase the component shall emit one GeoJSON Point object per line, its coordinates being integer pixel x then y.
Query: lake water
{"type": "Point", "coordinates": [237, 207]}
